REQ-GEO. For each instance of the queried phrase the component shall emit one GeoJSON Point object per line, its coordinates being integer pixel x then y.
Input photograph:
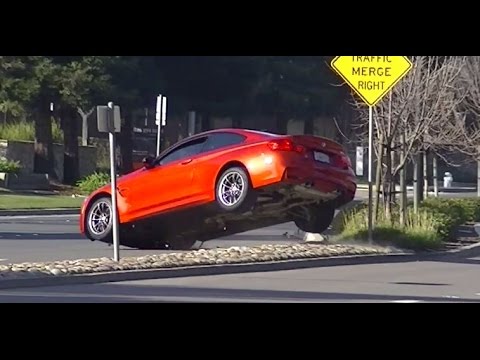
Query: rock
{"type": "Point", "coordinates": [56, 272]}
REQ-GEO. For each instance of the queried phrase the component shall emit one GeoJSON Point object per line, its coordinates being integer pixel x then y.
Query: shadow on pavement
{"type": "Point", "coordinates": [140, 293]}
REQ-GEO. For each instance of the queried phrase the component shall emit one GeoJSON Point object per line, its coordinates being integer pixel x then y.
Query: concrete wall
{"type": "Point", "coordinates": [23, 152]}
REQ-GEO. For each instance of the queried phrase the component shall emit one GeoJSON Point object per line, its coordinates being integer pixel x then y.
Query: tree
{"type": "Point", "coordinates": [82, 83]}
{"type": "Point", "coordinates": [17, 87]}
{"type": "Point", "coordinates": [417, 109]}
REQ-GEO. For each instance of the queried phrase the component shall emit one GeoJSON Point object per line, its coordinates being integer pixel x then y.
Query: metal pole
{"type": "Point", "coordinates": [370, 165]}
{"type": "Point", "coordinates": [113, 175]}
{"type": "Point", "coordinates": [159, 123]}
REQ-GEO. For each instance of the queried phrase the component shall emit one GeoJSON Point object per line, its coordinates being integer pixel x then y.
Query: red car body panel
{"type": "Point", "coordinates": [190, 181]}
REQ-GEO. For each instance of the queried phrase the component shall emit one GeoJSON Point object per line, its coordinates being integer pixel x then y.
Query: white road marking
{"type": "Point", "coordinates": [451, 297]}
{"type": "Point", "coordinates": [35, 234]}
{"type": "Point", "coordinates": [478, 294]}
{"type": "Point", "coordinates": [405, 301]}
{"type": "Point", "coordinates": [3, 259]}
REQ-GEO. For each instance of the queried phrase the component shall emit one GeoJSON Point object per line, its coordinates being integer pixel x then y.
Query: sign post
{"type": "Point", "coordinates": [108, 120]}
{"type": "Point", "coordinates": [160, 119]}
{"type": "Point", "coordinates": [371, 77]}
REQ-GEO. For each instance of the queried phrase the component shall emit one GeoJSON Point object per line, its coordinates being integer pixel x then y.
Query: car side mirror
{"type": "Point", "coordinates": [148, 162]}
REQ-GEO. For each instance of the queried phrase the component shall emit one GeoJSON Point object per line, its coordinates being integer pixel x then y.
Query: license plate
{"type": "Point", "coordinates": [321, 157]}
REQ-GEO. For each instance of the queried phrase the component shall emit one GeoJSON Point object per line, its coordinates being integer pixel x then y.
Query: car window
{"type": "Point", "coordinates": [184, 151]}
{"type": "Point", "coordinates": [221, 140]}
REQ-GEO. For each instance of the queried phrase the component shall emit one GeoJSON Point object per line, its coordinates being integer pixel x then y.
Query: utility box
{"type": "Point", "coordinates": [447, 180]}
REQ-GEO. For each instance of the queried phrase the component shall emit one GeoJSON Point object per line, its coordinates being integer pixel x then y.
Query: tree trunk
{"type": "Point", "coordinates": [309, 126]}
{"type": "Point", "coordinates": [206, 121]}
{"type": "Point", "coordinates": [435, 175]}
{"type": "Point", "coordinates": [378, 180]}
{"type": "Point", "coordinates": [403, 185]}
{"type": "Point", "coordinates": [85, 116]}
{"type": "Point", "coordinates": [71, 170]}
{"type": "Point", "coordinates": [126, 144]}
{"type": "Point", "coordinates": [43, 158]}
{"type": "Point", "coordinates": [425, 174]}
{"type": "Point", "coordinates": [417, 182]}
{"type": "Point", "coordinates": [478, 178]}
{"type": "Point", "coordinates": [387, 184]}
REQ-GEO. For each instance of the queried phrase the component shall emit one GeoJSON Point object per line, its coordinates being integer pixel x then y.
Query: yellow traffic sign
{"type": "Point", "coordinates": [372, 77]}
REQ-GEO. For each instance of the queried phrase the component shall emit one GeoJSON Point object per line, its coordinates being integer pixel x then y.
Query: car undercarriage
{"type": "Point", "coordinates": [179, 230]}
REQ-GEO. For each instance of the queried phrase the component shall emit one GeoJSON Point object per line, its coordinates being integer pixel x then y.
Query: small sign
{"type": "Point", "coordinates": [105, 122]}
{"type": "Point", "coordinates": [164, 111]}
{"type": "Point", "coordinates": [158, 112]}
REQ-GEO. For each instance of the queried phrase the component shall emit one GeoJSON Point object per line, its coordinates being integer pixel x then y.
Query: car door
{"type": "Point", "coordinates": [166, 185]}
{"type": "Point", "coordinates": [210, 162]}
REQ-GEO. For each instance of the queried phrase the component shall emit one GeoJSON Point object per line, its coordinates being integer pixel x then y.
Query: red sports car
{"type": "Point", "coordinates": [223, 182]}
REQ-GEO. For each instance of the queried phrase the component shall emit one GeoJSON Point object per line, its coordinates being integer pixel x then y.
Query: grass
{"type": "Point", "coordinates": [29, 202]}
{"type": "Point", "coordinates": [25, 131]}
{"type": "Point", "coordinates": [421, 232]}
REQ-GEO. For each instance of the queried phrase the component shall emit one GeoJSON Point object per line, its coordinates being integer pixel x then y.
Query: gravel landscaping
{"type": "Point", "coordinates": [232, 255]}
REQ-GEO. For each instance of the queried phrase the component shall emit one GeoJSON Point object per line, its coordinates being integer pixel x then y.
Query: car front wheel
{"type": "Point", "coordinates": [232, 189]}
{"type": "Point", "coordinates": [99, 220]}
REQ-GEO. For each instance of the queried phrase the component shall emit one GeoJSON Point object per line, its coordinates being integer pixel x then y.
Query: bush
{"type": "Point", "coordinates": [25, 131]}
{"type": "Point", "coordinates": [93, 182]}
{"type": "Point", "coordinates": [462, 209]}
{"type": "Point", "coordinates": [425, 231]}
{"type": "Point", "coordinates": [9, 167]}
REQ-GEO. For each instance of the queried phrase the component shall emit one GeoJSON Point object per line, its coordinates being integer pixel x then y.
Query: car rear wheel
{"type": "Point", "coordinates": [315, 219]}
{"type": "Point", "coordinates": [232, 189]}
{"type": "Point", "coordinates": [99, 220]}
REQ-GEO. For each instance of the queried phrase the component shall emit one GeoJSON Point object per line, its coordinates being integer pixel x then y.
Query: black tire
{"type": "Point", "coordinates": [243, 197]}
{"type": "Point", "coordinates": [92, 233]}
{"type": "Point", "coordinates": [181, 244]}
{"type": "Point", "coordinates": [317, 219]}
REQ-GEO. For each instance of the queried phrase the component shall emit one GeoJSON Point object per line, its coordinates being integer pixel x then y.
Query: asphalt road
{"type": "Point", "coordinates": [46, 238]}
{"type": "Point", "coordinates": [446, 280]}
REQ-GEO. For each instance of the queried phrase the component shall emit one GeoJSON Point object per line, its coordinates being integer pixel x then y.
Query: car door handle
{"type": "Point", "coordinates": [185, 162]}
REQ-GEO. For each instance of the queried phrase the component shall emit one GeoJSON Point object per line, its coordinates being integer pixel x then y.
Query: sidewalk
{"type": "Point", "coordinates": [456, 187]}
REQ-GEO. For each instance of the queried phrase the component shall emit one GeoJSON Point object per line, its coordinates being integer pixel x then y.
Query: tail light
{"type": "Point", "coordinates": [285, 145]}
{"type": "Point", "coordinates": [342, 161]}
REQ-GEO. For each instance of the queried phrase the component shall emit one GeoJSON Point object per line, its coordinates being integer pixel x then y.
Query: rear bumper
{"type": "Point", "coordinates": [340, 185]}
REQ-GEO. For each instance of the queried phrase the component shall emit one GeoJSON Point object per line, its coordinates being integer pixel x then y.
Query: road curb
{"type": "Point", "coordinates": [40, 212]}
{"type": "Point", "coordinates": [225, 269]}
{"type": "Point", "coordinates": [203, 270]}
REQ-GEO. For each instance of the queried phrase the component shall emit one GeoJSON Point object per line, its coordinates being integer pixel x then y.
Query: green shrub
{"type": "Point", "coordinates": [462, 209]}
{"type": "Point", "coordinates": [25, 131]}
{"type": "Point", "coordinates": [9, 167]}
{"type": "Point", "coordinates": [425, 231]}
{"type": "Point", "coordinates": [450, 207]}
{"type": "Point", "coordinates": [93, 182]}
